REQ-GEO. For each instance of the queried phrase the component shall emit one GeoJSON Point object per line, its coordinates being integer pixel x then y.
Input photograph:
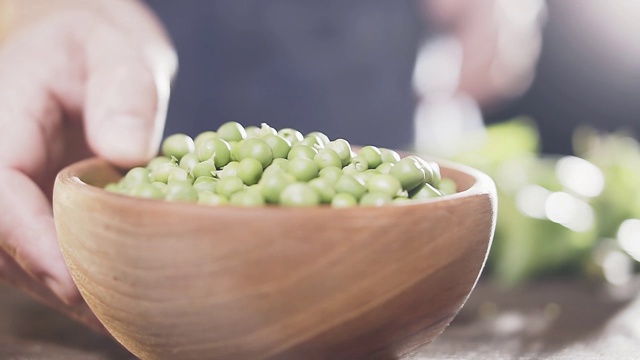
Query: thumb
{"type": "Point", "coordinates": [127, 93]}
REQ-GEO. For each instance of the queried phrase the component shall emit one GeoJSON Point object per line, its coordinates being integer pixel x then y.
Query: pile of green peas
{"type": "Point", "coordinates": [256, 166]}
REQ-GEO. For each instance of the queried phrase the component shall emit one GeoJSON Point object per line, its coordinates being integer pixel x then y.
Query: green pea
{"type": "Point", "coordinates": [204, 169]}
{"type": "Point", "coordinates": [327, 157]}
{"type": "Point", "coordinates": [232, 131]}
{"type": "Point", "coordinates": [205, 179]}
{"type": "Point", "coordinates": [447, 187]}
{"type": "Point", "coordinates": [292, 135]}
{"type": "Point", "coordinates": [255, 187]}
{"type": "Point", "coordinates": [350, 169]}
{"type": "Point", "coordinates": [344, 200]}
{"type": "Point", "coordinates": [331, 173]}
{"type": "Point", "coordinates": [303, 151]}
{"type": "Point", "coordinates": [249, 171]}
{"type": "Point", "coordinates": [161, 172]}
{"type": "Point", "coordinates": [401, 200]}
{"type": "Point", "coordinates": [160, 186]}
{"type": "Point", "coordinates": [342, 148]}
{"type": "Point", "coordinates": [366, 175]}
{"type": "Point", "coordinates": [256, 149]}
{"type": "Point", "coordinates": [180, 191]}
{"type": "Point", "coordinates": [424, 191]}
{"type": "Point", "coordinates": [205, 135]}
{"type": "Point", "coordinates": [235, 149]}
{"type": "Point", "coordinates": [177, 145]}
{"type": "Point", "coordinates": [147, 191]}
{"type": "Point", "coordinates": [278, 165]}
{"type": "Point", "coordinates": [247, 198]}
{"type": "Point", "coordinates": [177, 174]}
{"type": "Point", "coordinates": [299, 194]}
{"type": "Point", "coordinates": [429, 168]}
{"type": "Point", "coordinates": [324, 139]}
{"type": "Point", "coordinates": [201, 186]}
{"type": "Point", "coordinates": [230, 170]}
{"type": "Point", "coordinates": [279, 145]}
{"type": "Point", "coordinates": [228, 186]}
{"type": "Point", "coordinates": [384, 184]}
{"type": "Point", "coordinates": [210, 198]}
{"type": "Point", "coordinates": [188, 161]}
{"type": "Point", "coordinates": [157, 161]}
{"type": "Point", "coordinates": [302, 169]}
{"type": "Point", "coordinates": [350, 184]}
{"type": "Point", "coordinates": [273, 184]}
{"type": "Point", "coordinates": [215, 148]}
{"type": "Point", "coordinates": [252, 131]}
{"type": "Point", "coordinates": [437, 175]}
{"type": "Point", "coordinates": [409, 172]}
{"type": "Point", "coordinates": [375, 199]}
{"type": "Point", "coordinates": [385, 167]}
{"type": "Point", "coordinates": [372, 155]}
{"type": "Point", "coordinates": [265, 129]}
{"type": "Point", "coordinates": [312, 141]}
{"type": "Point", "coordinates": [324, 188]}
{"type": "Point", "coordinates": [389, 156]}
{"type": "Point", "coordinates": [360, 163]}
{"type": "Point", "coordinates": [257, 165]}
{"type": "Point", "coordinates": [136, 176]}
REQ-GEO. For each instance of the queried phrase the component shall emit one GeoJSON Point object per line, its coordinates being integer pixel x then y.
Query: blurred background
{"type": "Point", "coordinates": [563, 151]}
{"type": "Point", "coordinates": [588, 72]}
{"type": "Point", "coordinates": [543, 96]}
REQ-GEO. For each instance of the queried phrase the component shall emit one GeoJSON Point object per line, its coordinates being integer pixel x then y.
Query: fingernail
{"type": "Point", "coordinates": [69, 297]}
{"type": "Point", "coordinates": [126, 139]}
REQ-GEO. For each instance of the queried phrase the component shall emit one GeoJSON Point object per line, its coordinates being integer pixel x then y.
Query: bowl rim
{"type": "Point", "coordinates": [70, 175]}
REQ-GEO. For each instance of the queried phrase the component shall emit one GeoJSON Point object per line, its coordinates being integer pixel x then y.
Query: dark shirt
{"type": "Point", "coordinates": [336, 66]}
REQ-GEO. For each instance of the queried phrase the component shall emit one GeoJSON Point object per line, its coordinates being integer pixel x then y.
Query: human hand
{"type": "Point", "coordinates": [499, 42]}
{"type": "Point", "coordinates": [76, 78]}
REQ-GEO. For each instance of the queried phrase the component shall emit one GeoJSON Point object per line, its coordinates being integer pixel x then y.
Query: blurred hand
{"type": "Point", "coordinates": [76, 78]}
{"type": "Point", "coordinates": [499, 41]}
{"type": "Point", "coordinates": [484, 55]}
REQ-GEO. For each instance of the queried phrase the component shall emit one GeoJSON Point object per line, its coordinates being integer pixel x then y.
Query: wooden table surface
{"type": "Point", "coordinates": [560, 319]}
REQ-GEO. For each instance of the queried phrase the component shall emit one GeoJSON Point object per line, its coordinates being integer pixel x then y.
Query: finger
{"type": "Point", "coordinates": [36, 95]}
{"type": "Point", "coordinates": [11, 273]}
{"type": "Point", "coordinates": [32, 118]}
{"type": "Point", "coordinates": [127, 93]}
{"type": "Point", "coordinates": [27, 233]}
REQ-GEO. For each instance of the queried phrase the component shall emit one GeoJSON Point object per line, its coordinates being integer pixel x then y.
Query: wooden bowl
{"type": "Point", "coordinates": [185, 281]}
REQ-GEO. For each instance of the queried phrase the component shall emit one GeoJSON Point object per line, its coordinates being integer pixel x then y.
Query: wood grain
{"type": "Point", "coordinates": [186, 281]}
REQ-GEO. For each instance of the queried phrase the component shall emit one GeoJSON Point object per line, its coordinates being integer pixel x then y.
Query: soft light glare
{"type": "Point", "coordinates": [568, 210]}
{"type": "Point", "coordinates": [446, 127]}
{"type": "Point", "coordinates": [510, 323]}
{"type": "Point", "coordinates": [531, 201]}
{"type": "Point", "coordinates": [512, 175]}
{"type": "Point", "coordinates": [580, 176]}
{"type": "Point", "coordinates": [437, 69]}
{"type": "Point", "coordinates": [629, 237]}
{"type": "Point", "coordinates": [617, 267]}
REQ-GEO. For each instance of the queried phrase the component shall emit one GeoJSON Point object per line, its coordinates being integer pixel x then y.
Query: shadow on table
{"type": "Point", "coordinates": [562, 319]}
{"type": "Point", "coordinates": [29, 330]}
{"type": "Point", "coordinates": [551, 319]}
